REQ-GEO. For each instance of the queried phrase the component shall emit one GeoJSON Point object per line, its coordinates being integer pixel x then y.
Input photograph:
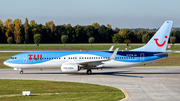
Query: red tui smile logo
{"type": "Point", "coordinates": [160, 45]}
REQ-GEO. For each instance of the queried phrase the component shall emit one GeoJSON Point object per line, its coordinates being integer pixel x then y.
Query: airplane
{"type": "Point", "coordinates": [74, 61]}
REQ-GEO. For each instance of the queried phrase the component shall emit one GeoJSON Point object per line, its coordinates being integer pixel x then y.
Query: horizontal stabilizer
{"type": "Point", "coordinates": [167, 52]}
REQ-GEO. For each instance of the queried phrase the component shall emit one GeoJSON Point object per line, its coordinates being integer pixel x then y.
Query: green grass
{"type": "Point", "coordinates": [68, 97]}
{"type": "Point", "coordinates": [87, 92]}
{"type": "Point", "coordinates": [72, 47]}
{"type": "Point", "coordinates": [62, 47]}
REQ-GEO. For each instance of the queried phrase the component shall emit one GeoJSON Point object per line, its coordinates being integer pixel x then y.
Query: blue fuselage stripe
{"type": "Point", "coordinates": [123, 56]}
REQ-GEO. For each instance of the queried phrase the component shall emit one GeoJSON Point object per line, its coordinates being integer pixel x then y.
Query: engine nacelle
{"type": "Point", "coordinates": [69, 68]}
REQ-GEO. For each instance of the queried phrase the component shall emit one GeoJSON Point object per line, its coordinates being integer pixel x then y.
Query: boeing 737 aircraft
{"type": "Point", "coordinates": [74, 61]}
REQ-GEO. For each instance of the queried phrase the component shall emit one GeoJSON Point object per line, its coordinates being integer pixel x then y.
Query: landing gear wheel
{"type": "Point", "coordinates": [89, 72]}
{"type": "Point", "coordinates": [21, 72]}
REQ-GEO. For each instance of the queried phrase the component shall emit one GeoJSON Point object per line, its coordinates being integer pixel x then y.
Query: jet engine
{"type": "Point", "coordinates": [70, 68]}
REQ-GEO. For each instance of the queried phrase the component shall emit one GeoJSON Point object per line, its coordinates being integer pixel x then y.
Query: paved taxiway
{"type": "Point", "coordinates": [141, 83]}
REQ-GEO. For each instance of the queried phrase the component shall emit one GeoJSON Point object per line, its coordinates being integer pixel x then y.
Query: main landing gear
{"type": "Point", "coordinates": [89, 72]}
{"type": "Point", "coordinates": [21, 72]}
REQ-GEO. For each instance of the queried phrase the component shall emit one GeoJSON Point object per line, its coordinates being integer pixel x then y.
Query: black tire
{"type": "Point", "coordinates": [21, 72]}
{"type": "Point", "coordinates": [89, 72]}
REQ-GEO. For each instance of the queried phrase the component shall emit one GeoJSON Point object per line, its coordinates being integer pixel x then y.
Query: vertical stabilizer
{"type": "Point", "coordinates": [158, 42]}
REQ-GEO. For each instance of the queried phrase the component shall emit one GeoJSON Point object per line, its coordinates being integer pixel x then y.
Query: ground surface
{"type": "Point", "coordinates": [141, 83]}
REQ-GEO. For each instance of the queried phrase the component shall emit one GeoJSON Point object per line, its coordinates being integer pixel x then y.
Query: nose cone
{"type": "Point", "coordinates": [6, 62]}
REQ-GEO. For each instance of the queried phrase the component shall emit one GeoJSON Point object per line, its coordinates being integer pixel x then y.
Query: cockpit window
{"type": "Point", "coordinates": [13, 57]}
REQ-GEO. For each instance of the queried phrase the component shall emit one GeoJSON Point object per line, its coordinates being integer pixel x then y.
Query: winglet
{"type": "Point", "coordinates": [111, 49]}
{"type": "Point", "coordinates": [113, 54]}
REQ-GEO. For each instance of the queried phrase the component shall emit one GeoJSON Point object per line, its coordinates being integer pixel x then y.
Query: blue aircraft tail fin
{"type": "Point", "coordinates": [158, 42]}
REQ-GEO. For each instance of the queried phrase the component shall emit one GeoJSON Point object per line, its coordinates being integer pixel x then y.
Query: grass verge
{"type": "Point", "coordinates": [62, 47]}
{"type": "Point", "coordinates": [73, 47]}
{"type": "Point", "coordinates": [68, 97]}
{"type": "Point", "coordinates": [91, 91]}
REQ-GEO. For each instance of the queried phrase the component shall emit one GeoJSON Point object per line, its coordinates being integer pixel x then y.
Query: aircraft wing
{"type": "Point", "coordinates": [99, 62]}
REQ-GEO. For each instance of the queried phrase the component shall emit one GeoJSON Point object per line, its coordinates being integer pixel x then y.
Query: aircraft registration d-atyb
{"type": "Point", "coordinates": [74, 61]}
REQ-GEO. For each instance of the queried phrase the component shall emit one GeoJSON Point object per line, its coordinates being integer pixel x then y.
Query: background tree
{"type": "Point", "coordinates": [126, 35]}
{"type": "Point", "coordinates": [2, 31]}
{"type": "Point", "coordinates": [1, 24]}
{"type": "Point", "coordinates": [91, 40]}
{"type": "Point", "coordinates": [127, 41]}
{"type": "Point", "coordinates": [116, 30]}
{"type": "Point", "coordinates": [32, 23]}
{"type": "Point", "coordinates": [108, 26]}
{"type": "Point", "coordinates": [96, 25]}
{"type": "Point", "coordinates": [8, 28]}
{"type": "Point", "coordinates": [8, 33]}
{"type": "Point", "coordinates": [176, 34]}
{"type": "Point", "coordinates": [8, 23]}
{"type": "Point", "coordinates": [50, 33]}
{"type": "Point", "coordinates": [117, 38]}
{"type": "Point", "coordinates": [10, 40]}
{"type": "Point", "coordinates": [81, 36]}
{"type": "Point", "coordinates": [17, 21]}
{"type": "Point", "coordinates": [173, 40]}
{"type": "Point", "coordinates": [64, 39]}
{"type": "Point", "coordinates": [141, 33]}
{"type": "Point", "coordinates": [89, 31]}
{"type": "Point", "coordinates": [69, 30]}
{"type": "Point", "coordinates": [51, 25]}
{"type": "Point", "coordinates": [17, 31]}
{"type": "Point", "coordinates": [37, 39]}
{"type": "Point", "coordinates": [146, 38]}
{"type": "Point", "coordinates": [26, 30]}
{"type": "Point", "coordinates": [106, 35]}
